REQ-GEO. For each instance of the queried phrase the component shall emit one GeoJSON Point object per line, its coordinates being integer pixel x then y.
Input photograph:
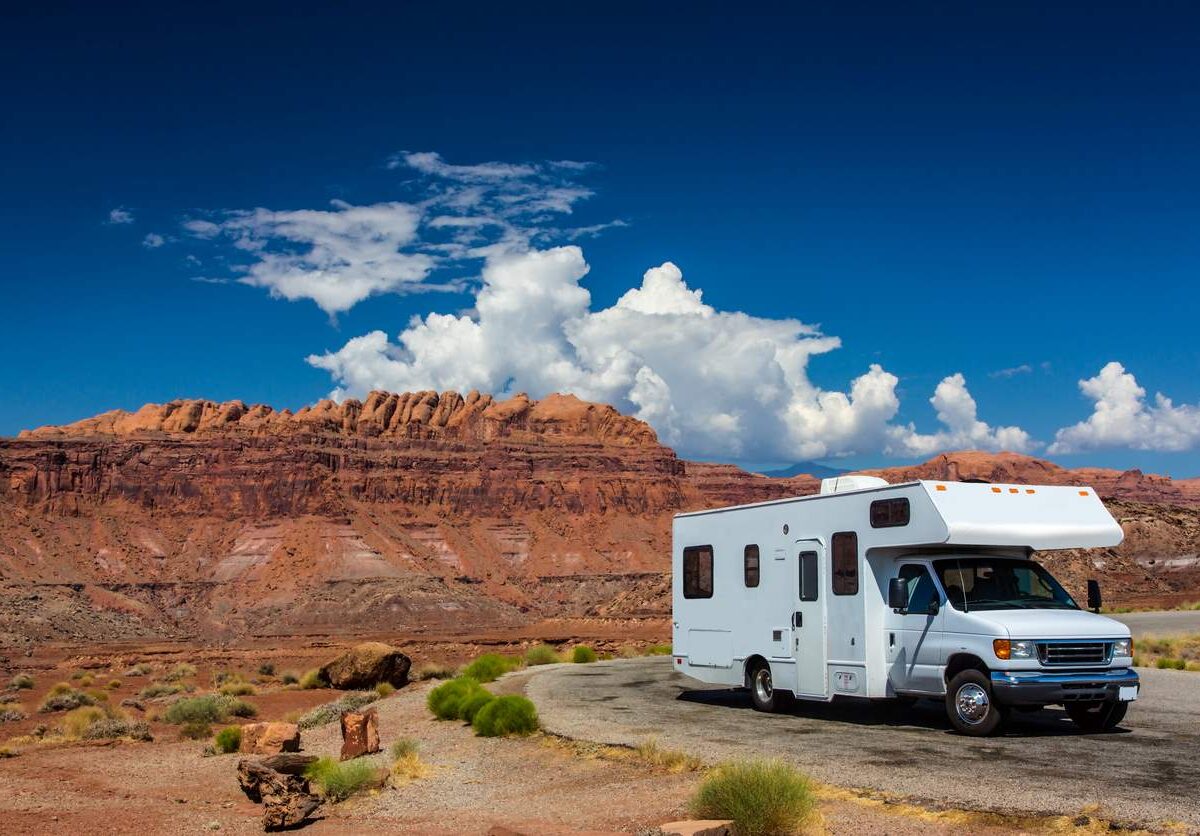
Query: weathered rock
{"type": "Point", "coordinates": [698, 827]}
{"type": "Point", "coordinates": [287, 799]}
{"type": "Point", "coordinates": [289, 763]}
{"type": "Point", "coordinates": [366, 665]}
{"type": "Point", "coordinates": [269, 738]}
{"type": "Point", "coordinates": [360, 733]}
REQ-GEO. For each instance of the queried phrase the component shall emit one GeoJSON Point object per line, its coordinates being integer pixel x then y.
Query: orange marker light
{"type": "Point", "coordinates": [995, 490]}
{"type": "Point", "coordinates": [941, 487]}
{"type": "Point", "coordinates": [1003, 648]}
{"type": "Point", "coordinates": [1013, 490]}
{"type": "Point", "coordinates": [1083, 493]}
{"type": "Point", "coordinates": [1030, 490]}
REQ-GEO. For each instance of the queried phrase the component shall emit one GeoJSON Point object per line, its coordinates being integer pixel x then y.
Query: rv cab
{"type": "Point", "coordinates": [926, 589]}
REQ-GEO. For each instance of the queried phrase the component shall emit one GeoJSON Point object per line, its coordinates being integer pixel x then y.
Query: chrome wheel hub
{"type": "Point", "coordinates": [762, 685]}
{"type": "Point", "coordinates": [972, 703]}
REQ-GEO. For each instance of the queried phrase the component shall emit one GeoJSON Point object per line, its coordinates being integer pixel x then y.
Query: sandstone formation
{"type": "Point", "coordinates": [408, 513]}
{"type": "Point", "coordinates": [269, 738]}
{"type": "Point", "coordinates": [366, 665]}
{"type": "Point", "coordinates": [360, 733]}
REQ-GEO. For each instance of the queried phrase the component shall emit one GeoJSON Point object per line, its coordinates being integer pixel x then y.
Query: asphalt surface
{"type": "Point", "coordinates": [1146, 771]}
{"type": "Point", "coordinates": [1161, 623]}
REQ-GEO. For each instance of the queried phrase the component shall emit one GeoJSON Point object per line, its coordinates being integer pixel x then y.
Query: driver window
{"type": "Point", "coordinates": [921, 591]}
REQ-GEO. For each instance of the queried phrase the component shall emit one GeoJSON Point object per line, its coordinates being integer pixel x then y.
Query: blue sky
{"type": "Point", "coordinates": [945, 190]}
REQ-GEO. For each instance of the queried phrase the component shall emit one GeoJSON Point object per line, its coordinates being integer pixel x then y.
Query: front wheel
{"type": "Point", "coordinates": [1097, 716]}
{"type": "Point", "coordinates": [970, 706]}
{"type": "Point", "coordinates": [762, 690]}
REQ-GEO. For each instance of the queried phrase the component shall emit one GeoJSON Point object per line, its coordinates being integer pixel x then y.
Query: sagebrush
{"type": "Point", "coordinates": [762, 797]}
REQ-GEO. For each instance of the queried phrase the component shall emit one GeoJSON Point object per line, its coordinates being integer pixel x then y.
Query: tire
{"type": "Point", "coordinates": [1097, 716]}
{"type": "Point", "coordinates": [970, 705]}
{"type": "Point", "coordinates": [763, 693]}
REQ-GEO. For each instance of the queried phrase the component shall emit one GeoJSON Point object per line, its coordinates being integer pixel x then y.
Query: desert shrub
{"type": "Point", "coordinates": [196, 730]}
{"type": "Point", "coordinates": [762, 797]}
{"type": "Point", "coordinates": [180, 671]}
{"type": "Point", "coordinates": [331, 711]}
{"type": "Point", "coordinates": [290, 678]}
{"type": "Point", "coordinates": [266, 669]}
{"type": "Point", "coordinates": [504, 716]}
{"type": "Point", "coordinates": [434, 670]}
{"type": "Point", "coordinates": [489, 667]}
{"type": "Point", "coordinates": [112, 684]}
{"type": "Point", "coordinates": [403, 747]}
{"type": "Point", "coordinates": [338, 781]}
{"type": "Point", "coordinates": [542, 654]}
{"type": "Point", "coordinates": [60, 688]}
{"type": "Point", "coordinates": [206, 709]}
{"type": "Point", "coordinates": [87, 680]}
{"type": "Point", "coordinates": [235, 707]}
{"type": "Point", "coordinates": [140, 669]}
{"type": "Point", "coordinates": [406, 763]}
{"type": "Point", "coordinates": [658, 650]}
{"type": "Point", "coordinates": [582, 654]}
{"type": "Point", "coordinates": [21, 682]}
{"type": "Point", "coordinates": [159, 689]}
{"type": "Point", "coordinates": [472, 703]}
{"type": "Point", "coordinates": [671, 760]}
{"type": "Point", "coordinates": [96, 695]}
{"type": "Point", "coordinates": [64, 700]}
{"type": "Point", "coordinates": [384, 689]}
{"type": "Point", "coordinates": [111, 728]}
{"type": "Point", "coordinates": [445, 701]}
{"type": "Point", "coordinates": [1167, 663]}
{"type": "Point", "coordinates": [77, 675]}
{"type": "Point", "coordinates": [238, 689]}
{"type": "Point", "coordinates": [11, 712]}
{"type": "Point", "coordinates": [228, 739]}
{"type": "Point", "coordinates": [76, 722]}
{"type": "Point", "coordinates": [312, 679]}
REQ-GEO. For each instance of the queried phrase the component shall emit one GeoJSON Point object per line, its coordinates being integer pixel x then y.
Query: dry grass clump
{"type": "Point", "coordinates": [658, 650]}
{"type": "Point", "coordinates": [406, 763]}
{"type": "Point", "coordinates": [338, 781]}
{"type": "Point", "coordinates": [140, 669]}
{"type": "Point", "coordinates": [762, 797]}
{"type": "Point", "coordinates": [21, 682]}
{"type": "Point", "coordinates": [434, 670]}
{"type": "Point", "coordinates": [159, 689]}
{"type": "Point", "coordinates": [669, 760]}
{"type": "Point", "coordinates": [542, 654]}
{"type": "Point", "coordinates": [290, 678]}
{"type": "Point", "coordinates": [583, 655]}
{"type": "Point", "coordinates": [331, 711]}
{"type": "Point", "coordinates": [384, 689]}
{"type": "Point", "coordinates": [312, 679]}
{"type": "Point", "coordinates": [113, 684]}
{"type": "Point", "coordinates": [63, 697]}
{"type": "Point", "coordinates": [11, 712]}
{"type": "Point", "coordinates": [181, 671]}
{"type": "Point", "coordinates": [95, 723]}
{"type": "Point", "coordinates": [1168, 652]}
{"type": "Point", "coordinates": [195, 730]}
{"type": "Point", "coordinates": [238, 689]}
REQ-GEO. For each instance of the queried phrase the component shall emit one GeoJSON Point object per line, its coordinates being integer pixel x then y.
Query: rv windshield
{"type": "Point", "coordinates": [993, 583]}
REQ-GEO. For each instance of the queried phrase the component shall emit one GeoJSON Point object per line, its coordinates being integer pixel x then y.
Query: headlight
{"type": "Point", "coordinates": [1123, 647]}
{"type": "Point", "coordinates": [1020, 649]}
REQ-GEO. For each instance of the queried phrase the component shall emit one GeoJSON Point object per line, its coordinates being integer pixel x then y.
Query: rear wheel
{"type": "Point", "coordinates": [970, 706]}
{"type": "Point", "coordinates": [762, 689]}
{"type": "Point", "coordinates": [1097, 716]}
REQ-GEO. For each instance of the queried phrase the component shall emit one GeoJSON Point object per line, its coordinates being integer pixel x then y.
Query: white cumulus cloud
{"type": "Point", "coordinates": [714, 383]}
{"type": "Point", "coordinates": [120, 215]}
{"type": "Point", "coordinates": [1122, 418]}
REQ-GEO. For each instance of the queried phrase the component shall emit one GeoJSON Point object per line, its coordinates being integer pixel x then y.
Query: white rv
{"type": "Point", "coordinates": [925, 589]}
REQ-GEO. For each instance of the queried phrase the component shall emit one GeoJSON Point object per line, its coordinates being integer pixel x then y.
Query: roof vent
{"type": "Point", "coordinates": [841, 484]}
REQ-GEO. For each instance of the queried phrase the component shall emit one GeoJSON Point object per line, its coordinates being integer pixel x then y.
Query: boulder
{"type": "Point", "coordinates": [360, 733]}
{"type": "Point", "coordinates": [366, 665]}
{"type": "Point", "coordinates": [269, 738]}
{"type": "Point", "coordinates": [287, 799]}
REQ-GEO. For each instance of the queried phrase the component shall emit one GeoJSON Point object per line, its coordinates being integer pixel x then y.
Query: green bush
{"type": "Point", "coordinates": [472, 703]}
{"type": "Point", "coordinates": [1166, 663]}
{"type": "Point", "coordinates": [159, 689]}
{"type": "Point", "coordinates": [338, 781]}
{"type": "Point", "coordinates": [330, 711]}
{"type": "Point", "coordinates": [582, 654]}
{"type": "Point", "coordinates": [489, 667]}
{"type": "Point", "coordinates": [228, 739]}
{"type": "Point", "coordinates": [445, 701]}
{"type": "Point", "coordinates": [196, 730]}
{"type": "Point", "coordinates": [658, 650]}
{"type": "Point", "coordinates": [762, 797]}
{"type": "Point", "coordinates": [206, 709]}
{"type": "Point", "coordinates": [542, 654]}
{"type": "Point", "coordinates": [506, 715]}
{"type": "Point", "coordinates": [180, 671]}
{"type": "Point", "coordinates": [112, 728]}
{"type": "Point", "coordinates": [239, 708]}
{"type": "Point", "coordinates": [312, 679]}
{"type": "Point", "coordinates": [238, 689]}
{"type": "Point", "coordinates": [22, 682]}
{"type": "Point", "coordinates": [384, 689]}
{"type": "Point", "coordinates": [64, 700]}
{"type": "Point", "coordinates": [290, 678]}
{"type": "Point", "coordinates": [403, 748]}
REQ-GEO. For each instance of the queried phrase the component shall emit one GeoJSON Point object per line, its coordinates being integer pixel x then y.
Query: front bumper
{"type": "Point", "coordinates": [1040, 688]}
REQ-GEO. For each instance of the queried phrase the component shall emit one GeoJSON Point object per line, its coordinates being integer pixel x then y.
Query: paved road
{"type": "Point", "coordinates": [1145, 771]}
{"type": "Point", "coordinates": [1161, 623]}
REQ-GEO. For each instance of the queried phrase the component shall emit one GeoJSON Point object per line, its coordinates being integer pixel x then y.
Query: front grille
{"type": "Point", "coordinates": [1074, 653]}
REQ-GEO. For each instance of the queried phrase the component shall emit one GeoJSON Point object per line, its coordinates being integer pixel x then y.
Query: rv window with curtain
{"type": "Point", "coordinates": [698, 572]}
{"type": "Point", "coordinates": [808, 576]}
{"type": "Point", "coordinates": [845, 563]}
{"type": "Point", "coordinates": [889, 513]}
{"type": "Point", "coordinates": [750, 557]}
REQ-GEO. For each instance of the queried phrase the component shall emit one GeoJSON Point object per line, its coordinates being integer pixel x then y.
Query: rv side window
{"type": "Point", "coordinates": [889, 513]}
{"type": "Point", "coordinates": [845, 563]}
{"type": "Point", "coordinates": [808, 576]}
{"type": "Point", "coordinates": [750, 556]}
{"type": "Point", "coordinates": [698, 572]}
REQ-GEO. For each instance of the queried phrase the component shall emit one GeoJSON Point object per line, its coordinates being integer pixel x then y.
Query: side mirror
{"type": "Point", "coordinates": [935, 606]}
{"type": "Point", "coordinates": [897, 594]}
{"type": "Point", "coordinates": [1094, 599]}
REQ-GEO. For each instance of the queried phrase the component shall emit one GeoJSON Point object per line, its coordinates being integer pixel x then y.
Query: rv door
{"type": "Point", "coordinates": [808, 618]}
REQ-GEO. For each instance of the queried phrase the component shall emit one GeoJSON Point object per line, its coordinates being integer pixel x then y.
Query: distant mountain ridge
{"type": "Point", "coordinates": [814, 469]}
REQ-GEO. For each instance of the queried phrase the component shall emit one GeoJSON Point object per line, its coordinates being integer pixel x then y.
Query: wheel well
{"type": "Point", "coordinates": [752, 664]}
{"type": "Point", "coordinates": [960, 662]}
